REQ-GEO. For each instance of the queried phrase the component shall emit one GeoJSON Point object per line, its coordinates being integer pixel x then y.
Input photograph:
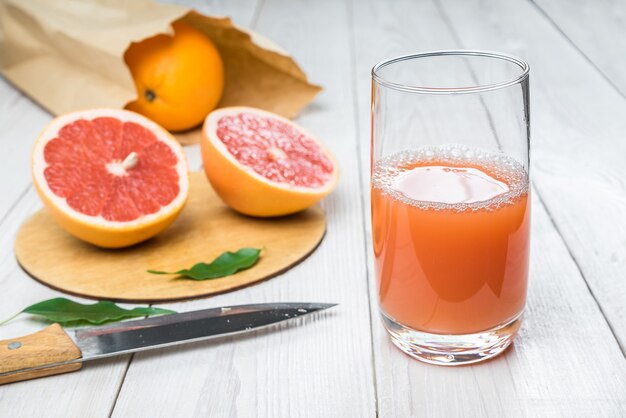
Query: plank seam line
{"type": "Point", "coordinates": [457, 39]}
{"type": "Point", "coordinates": [13, 100]}
{"type": "Point", "coordinates": [580, 271]}
{"type": "Point", "coordinates": [257, 14]}
{"type": "Point", "coordinates": [552, 23]}
{"type": "Point", "coordinates": [119, 388]}
{"type": "Point", "coordinates": [15, 203]}
{"type": "Point", "coordinates": [357, 133]}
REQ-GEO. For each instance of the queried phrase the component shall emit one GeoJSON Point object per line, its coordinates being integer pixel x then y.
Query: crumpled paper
{"type": "Point", "coordinates": [68, 55]}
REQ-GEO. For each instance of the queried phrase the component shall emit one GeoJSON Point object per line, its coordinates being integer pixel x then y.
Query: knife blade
{"type": "Point", "coordinates": [55, 350]}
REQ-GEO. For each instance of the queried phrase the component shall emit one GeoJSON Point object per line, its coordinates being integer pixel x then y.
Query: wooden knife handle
{"type": "Point", "coordinates": [48, 346]}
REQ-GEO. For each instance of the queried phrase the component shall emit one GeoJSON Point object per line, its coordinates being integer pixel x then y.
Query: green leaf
{"type": "Point", "coordinates": [226, 264]}
{"type": "Point", "coordinates": [65, 312]}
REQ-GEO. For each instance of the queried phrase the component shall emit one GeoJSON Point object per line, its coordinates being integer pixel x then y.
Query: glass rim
{"type": "Point", "coordinates": [525, 70]}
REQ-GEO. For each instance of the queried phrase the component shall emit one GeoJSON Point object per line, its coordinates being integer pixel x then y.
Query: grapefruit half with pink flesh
{"type": "Point", "coordinates": [262, 164]}
{"type": "Point", "coordinates": [110, 177]}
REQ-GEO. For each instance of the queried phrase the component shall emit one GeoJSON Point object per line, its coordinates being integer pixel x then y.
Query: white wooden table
{"type": "Point", "coordinates": [569, 357]}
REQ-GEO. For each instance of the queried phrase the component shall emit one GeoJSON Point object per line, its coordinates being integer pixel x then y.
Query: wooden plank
{"type": "Point", "coordinates": [20, 123]}
{"type": "Point", "coordinates": [21, 120]}
{"type": "Point", "coordinates": [320, 367]}
{"type": "Point", "coordinates": [591, 123]}
{"type": "Point", "coordinates": [578, 141]}
{"type": "Point", "coordinates": [57, 396]}
{"type": "Point", "coordinates": [597, 29]}
{"type": "Point", "coordinates": [93, 390]}
{"type": "Point", "coordinates": [562, 319]}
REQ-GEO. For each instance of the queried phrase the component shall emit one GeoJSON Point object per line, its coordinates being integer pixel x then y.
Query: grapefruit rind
{"type": "Point", "coordinates": [246, 191]}
{"type": "Point", "coordinates": [96, 229]}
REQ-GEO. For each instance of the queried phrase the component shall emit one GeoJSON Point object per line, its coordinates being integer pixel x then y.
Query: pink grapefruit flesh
{"type": "Point", "coordinates": [262, 164]}
{"type": "Point", "coordinates": [110, 177]}
{"type": "Point", "coordinates": [276, 150]}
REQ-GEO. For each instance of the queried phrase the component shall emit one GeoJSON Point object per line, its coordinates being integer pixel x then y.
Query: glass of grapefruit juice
{"type": "Point", "coordinates": [450, 202]}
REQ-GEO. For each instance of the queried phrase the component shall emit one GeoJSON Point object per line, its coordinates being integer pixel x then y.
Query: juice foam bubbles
{"type": "Point", "coordinates": [451, 231]}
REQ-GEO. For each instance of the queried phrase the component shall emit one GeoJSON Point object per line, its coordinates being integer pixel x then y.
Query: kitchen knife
{"type": "Point", "coordinates": [55, 350]}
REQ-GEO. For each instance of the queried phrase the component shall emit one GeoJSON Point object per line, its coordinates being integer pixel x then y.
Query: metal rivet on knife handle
{"type": "Point", "coordinates": [48, 346]}
{"type": "Point", "coordinates": [14, 345]}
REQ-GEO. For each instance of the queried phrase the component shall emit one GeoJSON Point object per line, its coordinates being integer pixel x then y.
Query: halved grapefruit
{"type": "Point", "coordinates": [262, 164]}
{"type": "Point", "coordinates": [110, 177]}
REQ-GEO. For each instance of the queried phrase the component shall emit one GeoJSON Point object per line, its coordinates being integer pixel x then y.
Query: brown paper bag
{"type": "Point", "coordinates": [68, 55]}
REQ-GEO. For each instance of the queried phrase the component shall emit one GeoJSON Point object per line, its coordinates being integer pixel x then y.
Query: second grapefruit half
{"type": "Point", "coordinates": [262, 164]}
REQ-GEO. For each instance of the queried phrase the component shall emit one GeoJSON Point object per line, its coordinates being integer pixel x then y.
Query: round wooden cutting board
{"type": "Point", "coordinates": [204, 230]}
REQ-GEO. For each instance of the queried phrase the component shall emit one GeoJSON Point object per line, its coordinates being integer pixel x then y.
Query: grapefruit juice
{"type": "Point", "coordinates": [451, 239]}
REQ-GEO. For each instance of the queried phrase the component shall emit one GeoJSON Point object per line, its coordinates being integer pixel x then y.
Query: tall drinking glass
{"type": "Point", "coordinates": [450, 201]}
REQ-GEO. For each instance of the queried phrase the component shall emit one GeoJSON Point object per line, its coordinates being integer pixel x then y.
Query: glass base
{"type": "Point", "coordinates": [452, 350]}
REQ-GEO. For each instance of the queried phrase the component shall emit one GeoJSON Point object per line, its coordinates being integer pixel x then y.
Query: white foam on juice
{"type": "Point", "coordinates": [500, 178]}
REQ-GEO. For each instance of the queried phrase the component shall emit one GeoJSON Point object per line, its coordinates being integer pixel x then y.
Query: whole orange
{"type": "Point", "coordinates": [179, 79]}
